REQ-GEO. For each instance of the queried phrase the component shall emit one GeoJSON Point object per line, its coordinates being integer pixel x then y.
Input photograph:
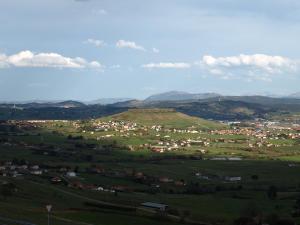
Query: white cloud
{"type": "Point", "coordinates": [116, 66]}
{"type": "Point", "coordinates": [3, 62]}
{"type": "Point", "coordinates": [37, 85]}
{"type": "Point", "coordinates": [95, 42]}
{"type": "Point", "coordinates": [99, 11]}
{"type": "Point", "coordinates": [257, 66]}
{"type": "Point", "coordinates": [167, 65]}
{"type": "Point", "coordinates": [50, 60]}
{"type": "Point", "coordinates": [129, 44]}
{"type": "Point", "coordinates": [155, 50]}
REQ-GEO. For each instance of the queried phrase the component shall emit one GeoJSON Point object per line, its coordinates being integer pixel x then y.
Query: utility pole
{"type": "Point", "coordinates": [48, 207]}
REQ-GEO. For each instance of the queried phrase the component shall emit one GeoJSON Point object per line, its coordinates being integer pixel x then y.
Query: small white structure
{"type": "Point", "coordinates": [71, 174]}
{"type": "Point", "coordinates": [161, 207]}
{"type": "Point", "coordinates": [233, 179]}
{"type": "Point", "coordinates": [37, 172]}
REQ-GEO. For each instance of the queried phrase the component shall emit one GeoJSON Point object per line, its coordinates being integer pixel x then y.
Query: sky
{"type": "Point", "coordinates": [91, 49]}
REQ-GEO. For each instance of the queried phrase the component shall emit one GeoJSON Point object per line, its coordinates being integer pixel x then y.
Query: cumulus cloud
{"type": "Point", "coordinates": [95, 42]}
{"type": "Point", "coordinates": [116, 66]}
{"type": "Point", "coordinates": [81, 0]}
{"type": "Point", "coordinates": [257, 66]}
{"type": "Point", "coordinates": [155, 50]}
{"type": "Point", "coordinates": [47, 60]}
{"type": "Point", "coordinates": [99, 12]}
{"type": "Point", "coordinates": [129, 44]}
{"type": "Point", "coordinates": [167, 65]}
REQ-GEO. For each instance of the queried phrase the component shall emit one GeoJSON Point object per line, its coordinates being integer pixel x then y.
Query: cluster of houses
{"type": "Point", "coordinates": [214, 177]}
{"type": "Point", "coordinates": [160, 128]}
{"type": "Point", "coordinates": [257, 133]}
{"type": "Point", "coordinates": [118, 126]}
{"type": "Point", "coordinates": [261, 137]}
{"type": "Point", "coordinates": [172, 145]}
{"type": "Point", "coordinates": [12, 170]}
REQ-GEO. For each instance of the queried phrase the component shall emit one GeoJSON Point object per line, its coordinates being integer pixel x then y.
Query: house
{"type": "Point", "coordinates": [234, 158]}
{"type": "Point", "coordinates": [233, 179]}
{"type": "Point", "coordinates": [3, 173]}
{"type": "Point", "coordinates": [71, 174]}
{"type": "Point", "coordinates": [219, 158]}
{"type": "Point", "coordinates": [23, 167]}
{"type": "Point", "coordinates": [35, 167]}
{"type": "Point", "coordinates": [139, 175]}
{"type": "Point", "coordinates": [37, 172]}
{"type": "Point", "coordinates": [165, 180]}
{"type": "Point", "coordinates": [179, 183]}
{"type": "Point", "coordinates": [56, 180]}
{"type": "Point", "coordinates": [99, 189]}
{"type": "Point", "coordinates": [76, 185]}
{"type": "Point", "coordinates": [153, 205]}
{"type": "Point", "coordinates": [159, 149]}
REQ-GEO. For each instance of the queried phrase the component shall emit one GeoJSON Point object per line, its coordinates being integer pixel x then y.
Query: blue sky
{"type": "Point", "coordinates": [90, 49]}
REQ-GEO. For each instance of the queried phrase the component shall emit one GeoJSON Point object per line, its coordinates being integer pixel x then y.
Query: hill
{"type": "Point", "coordinates": [214, 108]}
{"type": "Point", "coordinates": [220, 109]}
{"type": "Point", "coordinates": [166, 117]}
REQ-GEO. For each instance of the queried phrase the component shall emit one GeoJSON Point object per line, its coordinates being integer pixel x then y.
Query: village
{"type": "Point", "coordinates": [112, 159]}
{"type": "Point", "coordinates": [159, 139]}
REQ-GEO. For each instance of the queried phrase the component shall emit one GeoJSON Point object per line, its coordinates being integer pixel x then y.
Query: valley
{"type": "Point", "coordinates": [205, 172]}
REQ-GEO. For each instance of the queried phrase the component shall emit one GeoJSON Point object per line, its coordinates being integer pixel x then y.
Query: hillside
{"type": "Point", "coordinates": [57, 113]}
{"type": "Point", "coordinates": [166, 117]}
{"type": "Point", "coordinates": [215, 109]}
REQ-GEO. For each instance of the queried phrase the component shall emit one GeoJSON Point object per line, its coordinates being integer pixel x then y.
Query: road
{"type": "Point", "coordinates": [152, 211]}
{"type": "Point", "coordinates": [12, 221]}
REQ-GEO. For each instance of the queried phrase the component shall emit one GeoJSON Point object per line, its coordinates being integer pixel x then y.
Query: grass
{"type": "Point", "coordinates": [165, 117]}
{"type": "Point", "coordinates": [222, 205]}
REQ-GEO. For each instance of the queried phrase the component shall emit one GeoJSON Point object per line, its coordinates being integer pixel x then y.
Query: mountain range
{"type": "Point", "coordinates": [179, 95]}
{"type": "Point", "coordinates": [207, 105]}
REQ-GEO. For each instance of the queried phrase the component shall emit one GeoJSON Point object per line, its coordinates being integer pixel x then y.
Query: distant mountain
{"type": "Point", "coordinates": [107, 101]}
{"type": "Point", "coordinates": [263, 100]}
{"type": "Point", "coordinates": [207, 106]}
{"type": "Point", "coordinates": [63, 104]}
{"type": "Point", "coordinates": [179, 96]}
{"type": "Point", "coordinates": [294, 95]}
{"type": "Point", "coordinates": [130, 104]}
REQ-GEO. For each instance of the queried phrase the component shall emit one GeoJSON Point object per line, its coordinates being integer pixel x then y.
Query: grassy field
{"type": "Point", "coordinates": [197, 190]}
{"type": "Point", "coordinates": [165, 117]}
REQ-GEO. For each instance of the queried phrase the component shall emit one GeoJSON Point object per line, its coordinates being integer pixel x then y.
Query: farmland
{"type": "Point", "coordinates": [100, 171]}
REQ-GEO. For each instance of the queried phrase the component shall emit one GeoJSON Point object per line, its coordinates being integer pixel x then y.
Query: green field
{"type": "Point", "coordinates": [191, 179]}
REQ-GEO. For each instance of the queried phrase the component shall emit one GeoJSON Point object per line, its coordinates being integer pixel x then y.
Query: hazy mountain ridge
{"type": "Point", "coordinates": [107, 101]}
{"type": "Point", "coordinates": [178, 95]}
{"type": "Point", "coordinates": [62, 104]}
{"type": "Point", "coordinates": [295, 95]}
{"type": "Point", "coordinates": [217, 107]}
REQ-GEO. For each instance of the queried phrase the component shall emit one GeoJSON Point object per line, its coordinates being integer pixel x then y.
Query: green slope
{"type": "Point", "coordinates": [166, 117]}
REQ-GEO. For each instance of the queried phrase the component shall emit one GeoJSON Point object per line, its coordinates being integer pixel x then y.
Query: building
{"type": "Point", "coordinates": [233, 179]}
{"type": "Point", "coordinates": [153, 205]}
{"type": "Point", "coordinates": [71, 174]}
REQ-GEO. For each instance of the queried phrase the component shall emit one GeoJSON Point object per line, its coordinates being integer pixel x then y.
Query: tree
{"type": "Point", "coordinates": [272, 192]}
{"type": "Point", "coordinates": [76, 169]}
{"type": "Point", "coordinates": [185, 214]}
{"type": "Point", "coordinates": [7, 190]}
{"type": "Point", "coordinates": [254, 177]}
